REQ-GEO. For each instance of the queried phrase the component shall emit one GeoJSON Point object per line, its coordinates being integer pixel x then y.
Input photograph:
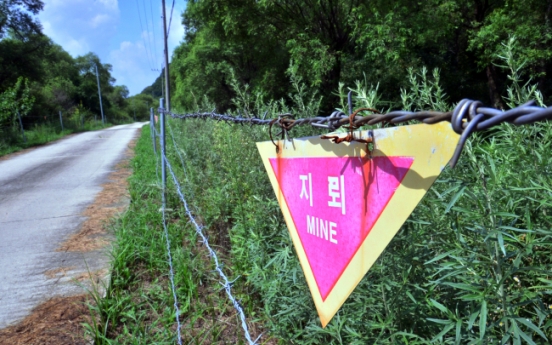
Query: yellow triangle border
{"type": "Point", "coordinates": [431, 146]}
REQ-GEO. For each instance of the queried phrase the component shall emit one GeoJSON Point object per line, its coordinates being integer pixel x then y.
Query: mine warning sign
{"type": "Point", "coordinates": [343, 205]}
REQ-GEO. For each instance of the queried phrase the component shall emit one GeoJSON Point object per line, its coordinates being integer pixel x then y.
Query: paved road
{"type": "Point", "coordinates": [42, 195]}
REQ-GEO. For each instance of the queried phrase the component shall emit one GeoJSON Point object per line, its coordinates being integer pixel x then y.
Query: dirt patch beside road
{"type": "Point", "coordinates": [57, 321]}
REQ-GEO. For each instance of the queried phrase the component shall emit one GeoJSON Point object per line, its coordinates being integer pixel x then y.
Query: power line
{"type": "Point", "coordinates": [142, 28]}
{"type": "Point", "coordinates": [154, 39]}
{"type": "Point", "coordinates": [153, 60]}
{"type": "Point", "coordinates": [170, 19]}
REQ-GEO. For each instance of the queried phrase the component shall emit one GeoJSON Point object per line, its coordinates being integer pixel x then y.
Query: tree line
{"type": "Point", "coordinates": [328, 42]}
{"type": "Point", "coordinates": [38, 78]}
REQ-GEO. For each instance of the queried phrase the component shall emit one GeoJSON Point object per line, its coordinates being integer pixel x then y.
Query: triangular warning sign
{"type": "Point", "coordinates": [313, 214]}
{"type": "Point", "coordinates": [343, 206]}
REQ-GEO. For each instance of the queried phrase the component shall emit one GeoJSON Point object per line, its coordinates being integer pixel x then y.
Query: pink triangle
{"type": "Point", "coordinates": [331, 232]}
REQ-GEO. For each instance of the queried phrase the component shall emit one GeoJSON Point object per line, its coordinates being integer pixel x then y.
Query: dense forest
{"type": "Point", "coordinates": [262, 43]}
{"type": "Point", "coordinates": [38, 78]}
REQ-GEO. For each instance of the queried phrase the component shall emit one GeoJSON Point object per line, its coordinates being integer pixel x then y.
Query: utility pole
{"type": "Point", "coordinates": [167, 90]}
{"type": "Point", "coordinates": [99, 91]}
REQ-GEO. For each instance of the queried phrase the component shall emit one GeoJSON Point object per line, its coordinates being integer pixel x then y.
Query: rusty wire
{"type": "Point", "coordinates": [467, 117]}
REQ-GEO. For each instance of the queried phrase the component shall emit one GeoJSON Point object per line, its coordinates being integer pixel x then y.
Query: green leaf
{"type": "Point", "coordinates": [411, 297]}
{"type": "Point", "coordinates": [471, 321]}
{"type": "Point", "coordinates": [531, 326]}
{"type": "Point", "coordinates": [439, 306]}
{"type": "Point", "coordinates": [483, 320]}
{"type": "Point", "coordinates": [439, 257]}
{"type": "Point", "coordinates": [444, 331]}
{"type": "Point", "coordinates": [516, 229]}
{"type": "Point", "coordinates": [493, 167]}
{"type": "Point", "coordinates": [458, 332]}
{"type": "Point", "coordinates": [464, 286]}
{"type": "Point", "coordinates": [527, 338]}
{"type": "Point", "coordinates": [455, 198]}
{"type": "Point", "coordinates": [501, 243]}
{"type": "Point", "coordinates": [441, 321]}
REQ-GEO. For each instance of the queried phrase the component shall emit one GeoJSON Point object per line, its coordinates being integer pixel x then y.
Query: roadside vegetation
{"type": "Point", "coordinates": [470, 266]}
{"type": "Point", "coordinates": [138, 305]}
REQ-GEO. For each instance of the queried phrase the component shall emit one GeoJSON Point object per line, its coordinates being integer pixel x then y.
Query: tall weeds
{"type": "Point", "coordinates": [470, 266]}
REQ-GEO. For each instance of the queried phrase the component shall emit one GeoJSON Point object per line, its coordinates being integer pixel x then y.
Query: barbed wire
{"type": "Point", "coordinates": [467, 117]}
{"type": "Point", "coordinates": [171, 275]}
{"type": "Point", "coordinates": [227, 285]}
{"type": "Point", "coordinates": [178, 152]}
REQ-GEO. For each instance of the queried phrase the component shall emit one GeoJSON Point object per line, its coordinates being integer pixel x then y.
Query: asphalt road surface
{"type": "Point", "coordinates": [42, 195]}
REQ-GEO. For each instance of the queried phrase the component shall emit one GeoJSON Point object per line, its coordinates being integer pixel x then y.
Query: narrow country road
{"type": "Point", "coordinates": [42, 196]}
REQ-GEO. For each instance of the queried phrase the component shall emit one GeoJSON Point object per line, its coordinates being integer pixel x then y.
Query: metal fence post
{"type": "Point", "coordinates": [152, 127]}
{"type": "Point", "coordinates": [61, 120]}
{"type": "Point", "coordinates": [163, 157]}
{"type": "Point", "coordinates": [22, 130]}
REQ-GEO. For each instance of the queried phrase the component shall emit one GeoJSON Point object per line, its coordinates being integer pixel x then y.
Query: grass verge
{"type": "Point", "coordinates": [138, 304]}
{"type": "Point", "coordinates": [11, 139]}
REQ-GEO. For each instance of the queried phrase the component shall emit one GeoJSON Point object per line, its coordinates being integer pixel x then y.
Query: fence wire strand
{"type": "Point", "coordinates": [226, 283]}
{"type": "Point", "coordinates": [178, 152]}
{"type": "Point", "coordinates": [168, 244]}
{"type": "Point", "coordinates": [156, 137]}
{"type": "Point", "coordinates": [467, 117]}
{"type": "Point", "coordinates": [171, 275]}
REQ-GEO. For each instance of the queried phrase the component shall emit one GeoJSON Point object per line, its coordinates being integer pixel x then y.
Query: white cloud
{"type": "Point", "coordinates": [130, 61]}
{"type": "Point", "coordinates": [99, 20]}
{"type": "Point", "coordinates": [77, 47]}
{"type": "Point", "coordinates": [80, 26]}
{"type": "Point", "coordinates": [110, 4]}
{"type": "Point", "coordinates": [176, 34]}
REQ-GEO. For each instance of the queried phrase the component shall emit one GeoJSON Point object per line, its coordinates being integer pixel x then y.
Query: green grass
{"type": "Point", "coordinates": [138, 306]}
{"type": "Point", "coordinates": [11, 139]}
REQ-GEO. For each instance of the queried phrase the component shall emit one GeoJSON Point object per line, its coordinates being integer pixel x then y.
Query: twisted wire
{"type": "Point", "coordinates": [226, 283]}
{"type": "Point", "coordinates": [178, 152]}
{"type": "Point", "coordinates": [171, 275]}
{"type": "Point", "coordinates": [467, 117]}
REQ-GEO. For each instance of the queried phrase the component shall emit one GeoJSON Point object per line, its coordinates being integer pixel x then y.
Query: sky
{"type": "Point", "coordinates": [127, 34]}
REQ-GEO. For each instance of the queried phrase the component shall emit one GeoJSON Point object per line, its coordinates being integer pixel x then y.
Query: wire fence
{"type": "Point", "coordinates": [226, 283]}
{"type": "Point", "coordinates": [467, 117]}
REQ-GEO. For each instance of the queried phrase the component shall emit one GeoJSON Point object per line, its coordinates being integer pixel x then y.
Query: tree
{"type": "Point", "coordinates": [16, 100]}
{"type": "Point", "coordinates": [332, 41]}
{"type": "Point", "coordinates": [87, 88]}
{"type": "Point", "coordinates": [140, 105]}
{"type": "Point", "coordinates": [225, 37]}
{"type": "Point", "coordinates": [318, 34]}
{"type": "Point", "coordinates": [15, 17]}
{"type": "Point", "coordinates": [530, 22]}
